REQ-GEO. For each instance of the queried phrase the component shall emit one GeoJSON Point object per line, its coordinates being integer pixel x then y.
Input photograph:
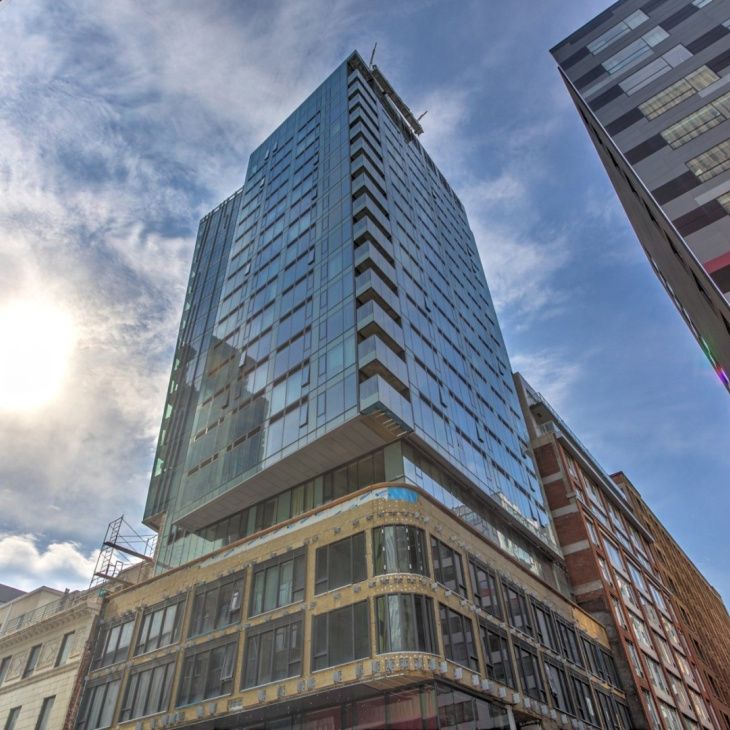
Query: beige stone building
{"type": "Point", "coordinates": [44, 645]}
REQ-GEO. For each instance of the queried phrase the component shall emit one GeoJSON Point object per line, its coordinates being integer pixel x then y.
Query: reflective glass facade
{"type": "Point", "coordinates": [337, 304]}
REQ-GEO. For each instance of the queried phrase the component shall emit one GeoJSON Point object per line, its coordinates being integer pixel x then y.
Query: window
{"type": "Point", "coordinates": [711, 163]}
{"type": "Point", "coordinates": [30, 665]}
{"type": "Point", "coordinates": [278, 582]}
{"type": "Point", "coordinates": [64, 649]}
{"type": "Point", "coordinates": [632, 54]}
{"type": "Point", "coordinates": [614, 556]}
{"type": "Point", "coordinates": [584, 701]}
{"type": "Point", "coordinates": [627, 590]}
{"type": "Point", "coordinates": [447, 567]}
{"type": "Point", "coordinates": [656, 675]}
{"type": "Point", "coordinates": [207, 672]}
{"type": "Point", "coordinates": [340, 563]}
{"type": "Point", "coordinates": [405, 623]}
{"type": "Point", "coordinates": [97, 705]}
{"type": "Point", "coordinates": [651, 709]}
{"type": "Point", "coordinates": [519, 613]}
{"type": "Point", "coordinates": [671, 718]}
{"type": "Point", "coordinates": [456, 631]}
{"type": "Point", "coordinates": [694, 124]}
{"type": "Point", "coordinates": [640, 630]}
{"type": "Point", "coordinates": [485, 590]}
{"type": "Point", "coordinates": [273, 651]}
{"type": "Point", "coordinates": [161, 624]}
{"type": "Point", "coordinates": [45, 713]}
{"type": "Point", "coordinates": [498, 657]}
{"type": "Point", "coordinates": [610, 674]}
{"type": "Point", "coordinates": [618, 612]}
{"type": "Point", "coordinates": [608, 715]}
{"type": "Point", "coordinates": [636, 577]}
{"type": "Point", "coordinates": [4, 665]}
{"type": "Point", "coordinates": [678, 92]}
{"type": "Point", "coordinates": [617, 31]}
{"type": "Point", "coordinates": [634, 658]}
{"type": "Point", "coordinates": [112, 644]}
{"type": "Point", "coordinates": [399, 549]}
{"type": "Point", "coordinates": [622, 712]}
{"type": "Point", "coordinates": [569, 643]}
{"type": "Point", "coordinates": [544, 626]}
{"type": "Point", "coordinates": [12, 717]}
{"type": "Point", "coordinates": [529, 668]}
{"type": "Point", "coordinates": [592, 656]}
{"type": "Point", "coordinates": [148, 691]}
{"type": "Point", "coordinates": [340, 636]}
{"type": "Point", "coordinates": [558, 688]}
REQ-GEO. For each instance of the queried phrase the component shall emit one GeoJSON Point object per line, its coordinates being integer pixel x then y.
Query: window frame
{"type": "Point", "coordinates": [197, 622]}
{"type": "Point", "coordinates": [358, 568]}
{"type": "Point", "coordinates": [166, 692]}
{"type": "Point", "coordinates": [64, 650]}
{"type": "Point", "coordinates": [231, 640]}
{"type": "Point", "coordinates": [85, 705]}
{"type": "Point", "coordinates": [291, 623]}
{"type": "Point", "coordinates": [421, 606]}
{"type": "Point", "coordinates": [446, 616]}
{"type": "Point", "coordinates": [178, 602]}
{"type": "Point", "coordinates": [32, 661]}
{"type": "Point", "coordinates": [527, 626]}
{"type": "Point", "coordinates": [487, 631]}
{"type": "Point", "coordinates": [530, 651]}
{"type": "Point", "coordinates": [440, 553]}
{"type": "Point", "coordinates": [323, 622]}
{"type": "Point", "coordinates": [298, 559]}
{"type": "Point", "coordinates": [495, 607]}
{"type": "Point", "coordinates": [101, 648]}
{"type": "Point", "coordinates": [416, 548]}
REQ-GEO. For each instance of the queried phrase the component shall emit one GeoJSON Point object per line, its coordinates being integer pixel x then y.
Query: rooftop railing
{"type": "Point", "coordinates": [40, 614]}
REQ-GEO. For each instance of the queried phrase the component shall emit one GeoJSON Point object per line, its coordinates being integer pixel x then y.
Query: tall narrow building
{"type": "Point", "coordinates": [701, 613]}
{"type": "Point", "coordinates": [650, 80]}
{"type": "Point", "coordinates": [615, 576]}
{"type": "Point", "coordinates": [337, 332]}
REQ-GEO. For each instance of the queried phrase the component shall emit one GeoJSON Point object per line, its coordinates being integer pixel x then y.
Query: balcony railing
{"type": "Point", "coordinates": [40, 614]}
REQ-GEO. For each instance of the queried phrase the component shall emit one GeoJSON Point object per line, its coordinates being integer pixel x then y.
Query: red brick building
{"type": "Point", "coordinates": [701, 614]}
{"type": "Point", "coordinates": [614, 577]}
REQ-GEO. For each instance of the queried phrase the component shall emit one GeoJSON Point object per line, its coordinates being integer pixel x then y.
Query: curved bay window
{"type": "Point", "coordinates": [405, 623]}
{"type": "Point", "coordinates": [399, 549]}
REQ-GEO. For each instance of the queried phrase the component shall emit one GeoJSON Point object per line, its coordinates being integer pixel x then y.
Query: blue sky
{"type": "Point", "coordinates": [122, 123]}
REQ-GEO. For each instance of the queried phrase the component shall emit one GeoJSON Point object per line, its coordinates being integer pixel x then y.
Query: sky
{"type": "Point", "coordinates": [122, 124]}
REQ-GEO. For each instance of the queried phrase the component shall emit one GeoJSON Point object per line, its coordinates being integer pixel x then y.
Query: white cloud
{"type": "Point", "coordinates": [120, 127]}
{"type": "Point", "coordinates": [554, 373]}
{"type": "Point", "coordinates": [24, 565]}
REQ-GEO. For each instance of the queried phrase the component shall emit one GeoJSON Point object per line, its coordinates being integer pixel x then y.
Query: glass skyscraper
{"type": "Point", "coordinates": [338, 331]}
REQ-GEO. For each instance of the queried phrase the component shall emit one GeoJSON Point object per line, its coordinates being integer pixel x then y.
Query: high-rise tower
{"type": "Point", "coordinates": [338, 331]}
{"type": "Point", "coordinates": [650, 80]}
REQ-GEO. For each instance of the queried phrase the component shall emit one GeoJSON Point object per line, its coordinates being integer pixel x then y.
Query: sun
{"type": "Point", "coordinates": [37, 340]}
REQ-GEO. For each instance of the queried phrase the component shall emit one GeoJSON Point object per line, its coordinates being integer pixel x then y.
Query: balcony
{"type": "Point", "coordinates": [374, 357]}
{"type": "Point", "coordinates": [367, 256]}
{"type": "Point", "coordinates": [367, 205]}
{"type": "Point", "coordinates": [373, 320]}
{"type": "Point", "coordinates": [377, 398]}
{"type": "Point", "coordinates": [365, 230]}
{"type": "Point", "coordinates": [369, 285]}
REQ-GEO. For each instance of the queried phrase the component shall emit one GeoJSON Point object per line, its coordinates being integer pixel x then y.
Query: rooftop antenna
{"type": "Point", "coordinates": [418, 118]}
{"type": "Point", "coordinates": [372, 55]}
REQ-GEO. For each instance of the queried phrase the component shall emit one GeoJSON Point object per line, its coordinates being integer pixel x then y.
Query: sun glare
{"type": "Point", "coordinates": [37, 339]}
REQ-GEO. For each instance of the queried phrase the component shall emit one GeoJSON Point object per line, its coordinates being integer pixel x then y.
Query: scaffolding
{"type": "Point", "coordinates": [123, 547]}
